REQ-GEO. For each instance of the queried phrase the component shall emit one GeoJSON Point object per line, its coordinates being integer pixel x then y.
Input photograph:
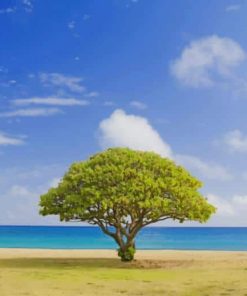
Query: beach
{"type": "Point", "coordinates": [99, 272]}
{"type": "Point", "coordinates": [156, 255]}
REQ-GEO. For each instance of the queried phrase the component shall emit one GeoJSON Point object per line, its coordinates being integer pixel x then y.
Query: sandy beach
{"type": "Point", "coordinates": [157, 255]}
{"type": "Point", "coordinates": [145, 258]}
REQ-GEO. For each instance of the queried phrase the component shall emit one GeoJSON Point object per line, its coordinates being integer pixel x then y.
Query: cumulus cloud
{"type": "Point", "coordinates": [204, 59]}
{"type": "Point", "coordinates": [50, 101]}
{"type": "Point", "coordinates": [135, 132]}
{"type": "Point", "coordinates": [31, 112]}
{"type": "Point", "coordinates": [72, 83]}
{"type": "Point", "coordinates": [6, 140]}
{"type": "Point", "coordinates": [138, 105]}
{"type": "Point", "coordinates": [121, 129]}
{"type": "Point", "coordinates": [236, 141]}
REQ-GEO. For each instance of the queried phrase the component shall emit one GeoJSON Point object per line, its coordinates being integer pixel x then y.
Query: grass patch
{"type": "Point", "coordinates": [66, 277]}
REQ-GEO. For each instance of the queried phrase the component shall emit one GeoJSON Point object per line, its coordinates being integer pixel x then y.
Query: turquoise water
{"type": "Point", "coordinates": [180, 238]}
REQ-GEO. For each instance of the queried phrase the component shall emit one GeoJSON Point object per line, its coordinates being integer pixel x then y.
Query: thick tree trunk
{"type": "Point", "coordinates": [127, 247]}
{"type": "Point", "coordinates": [127, 251]}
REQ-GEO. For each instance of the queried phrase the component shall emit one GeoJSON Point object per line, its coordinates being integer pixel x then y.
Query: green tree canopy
{"type": "Point", "coordinates": [123, 190]}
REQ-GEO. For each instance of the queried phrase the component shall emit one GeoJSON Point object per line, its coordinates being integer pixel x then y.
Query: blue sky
{"type": "Point", "coordinates": [77, 77]}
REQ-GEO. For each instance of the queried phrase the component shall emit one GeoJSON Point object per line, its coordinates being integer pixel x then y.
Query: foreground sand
{"type": "Point", "coordinates": [99, 272]}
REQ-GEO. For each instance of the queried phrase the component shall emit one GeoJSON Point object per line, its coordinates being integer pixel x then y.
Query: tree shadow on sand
{"type": "Point", "coordinates": [70, 263]}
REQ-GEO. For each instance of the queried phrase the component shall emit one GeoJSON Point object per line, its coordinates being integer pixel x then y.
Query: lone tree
{"type": "Point", "coordinates": [123, 190]}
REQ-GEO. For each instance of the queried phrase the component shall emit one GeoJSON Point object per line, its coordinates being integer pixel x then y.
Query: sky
{"type": "Point", "coordinates": [77, 77]}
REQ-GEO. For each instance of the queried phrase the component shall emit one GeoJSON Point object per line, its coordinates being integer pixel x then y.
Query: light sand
{"type": "Point", "coordinates": [140, 254]}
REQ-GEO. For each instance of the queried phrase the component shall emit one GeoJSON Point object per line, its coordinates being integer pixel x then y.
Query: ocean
{"type": "Point", "coordinates": [159, 238]}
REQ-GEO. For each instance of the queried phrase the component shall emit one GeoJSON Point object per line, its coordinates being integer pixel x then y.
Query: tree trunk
{"type": "Point", "coordinates": [127, 251]}
{"type": "Point", "coordinates": [127, 248]}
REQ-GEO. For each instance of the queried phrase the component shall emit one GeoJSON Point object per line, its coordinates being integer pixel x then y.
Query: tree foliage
{"type": "Point", "coordinates": [123, 190]}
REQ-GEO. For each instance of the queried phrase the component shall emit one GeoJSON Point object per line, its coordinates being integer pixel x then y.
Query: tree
{"type": "Point", "coordinates": [123, 190]}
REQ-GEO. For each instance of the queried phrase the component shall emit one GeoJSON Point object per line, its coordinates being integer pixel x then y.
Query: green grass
{"type": "Point", "coordinates": [67, 277]}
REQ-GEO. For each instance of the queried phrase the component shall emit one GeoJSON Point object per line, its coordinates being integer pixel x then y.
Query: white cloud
{"type": "Point", "coordinates": [135, 132]}
{"type": "Point", "coordinates": [205, 58]}
{"type": "Point", "coordinates": [31, 112]}
{"type": "Point", "coordinates": [50, 101]}
{"type": "Point", "coordinates": [236, 141]}
{"type": "Point", "coordinates": [6, 140]}
{"type": "Point", "coordinates": [233, 7]}
{"type": "Point", "coordinates": [138, 105]}
{"type": "Point", "coordinates": [207, 170]}
{"type": "Point", "coordinates": [121, 129]}
{"type": "Point", "coordinates": [72, 83]}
